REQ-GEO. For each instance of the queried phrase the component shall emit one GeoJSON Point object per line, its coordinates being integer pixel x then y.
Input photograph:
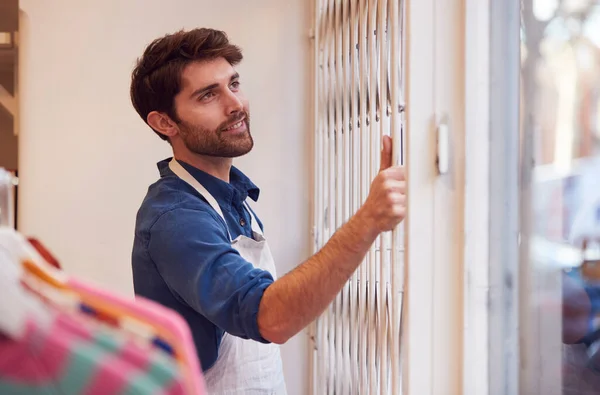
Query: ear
{"type": "Point", "coordinates": [162, 123]}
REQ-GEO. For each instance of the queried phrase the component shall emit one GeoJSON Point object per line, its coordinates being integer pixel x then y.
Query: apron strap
{"type": "Point", "coordinates": [183, 174]}
{"type": "Point", "coordinates": [253, 221]}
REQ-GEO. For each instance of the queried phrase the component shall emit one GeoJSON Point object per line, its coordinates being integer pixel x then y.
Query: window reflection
{"type": "Point", "coordinates": [560, 110]}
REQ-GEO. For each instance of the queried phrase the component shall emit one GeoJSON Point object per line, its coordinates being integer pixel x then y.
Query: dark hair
{"type": "Point", "coordinates": [156, 79]}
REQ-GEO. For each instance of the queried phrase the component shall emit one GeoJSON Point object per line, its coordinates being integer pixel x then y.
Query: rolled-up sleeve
{"type": "Point", "coordinates": [193, 254]}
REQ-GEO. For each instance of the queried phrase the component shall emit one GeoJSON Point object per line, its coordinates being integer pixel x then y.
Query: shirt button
{"type": "Point", "coordinates": [242, 222]}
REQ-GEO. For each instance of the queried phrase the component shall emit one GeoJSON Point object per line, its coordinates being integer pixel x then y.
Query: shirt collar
{"type": "Point", "coordinates": [239, 186]}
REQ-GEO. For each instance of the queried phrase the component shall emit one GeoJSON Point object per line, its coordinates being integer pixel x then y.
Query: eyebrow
{"type": "Point", "coordinates": [200, 91]}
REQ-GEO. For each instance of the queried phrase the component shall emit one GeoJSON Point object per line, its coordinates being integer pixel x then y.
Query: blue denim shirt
{"type": "Point", "coordinates": [182, 257]}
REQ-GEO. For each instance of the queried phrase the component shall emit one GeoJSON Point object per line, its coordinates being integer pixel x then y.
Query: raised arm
{"type": "Point", "coordinates": [298, 298]}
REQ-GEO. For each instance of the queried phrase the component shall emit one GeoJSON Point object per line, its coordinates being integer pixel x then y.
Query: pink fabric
{"type": "Point", "coordinates": [159, 316]}
{"type": "Point", "coordinates": [16, 362]}
{"type": "Point", "coordinates": [115, 368]}
{"type": "Point", "coordinates": [54, 346]}
{"type": "Point", "coordinates": [134, 355]}
{"type": "Point", "coordinates": [123, 367]}
{"type": "Point", "coordinates": [174, 389]}
{"type": "Point", "coordinates": [47, 361]}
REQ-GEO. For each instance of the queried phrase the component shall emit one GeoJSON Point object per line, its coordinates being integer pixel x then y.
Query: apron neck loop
{"type": "Point", "coordinates": [183, 174]}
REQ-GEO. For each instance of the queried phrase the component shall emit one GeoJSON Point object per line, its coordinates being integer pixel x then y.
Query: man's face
{"type": "Point", "coordinates": [212, 110]}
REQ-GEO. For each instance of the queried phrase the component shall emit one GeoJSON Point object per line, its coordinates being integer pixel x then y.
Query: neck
{"type": "Point", "coordinates": [215, 166]}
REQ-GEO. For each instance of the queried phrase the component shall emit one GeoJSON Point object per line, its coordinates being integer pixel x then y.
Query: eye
{"type": "Point", "coordinates": [207, 96]}
{"type": "Point", "coordinates": [235, 85]}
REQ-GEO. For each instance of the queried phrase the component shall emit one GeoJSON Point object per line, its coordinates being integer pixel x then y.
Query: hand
{"type": "Point", "coordinates": [385, 206]}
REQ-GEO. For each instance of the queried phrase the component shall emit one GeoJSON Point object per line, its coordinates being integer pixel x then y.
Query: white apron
{"type": "Point", "coordinates": [243, 366]}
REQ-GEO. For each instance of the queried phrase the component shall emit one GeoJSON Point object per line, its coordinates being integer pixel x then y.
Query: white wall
{"type": "Point", "coordinates": [86, 158]}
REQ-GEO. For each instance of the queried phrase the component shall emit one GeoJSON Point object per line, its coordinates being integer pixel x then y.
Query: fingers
{"type": "Point", "coordinates": [391, 210]}
{"type": "Point", "coordinates": [395, 173]}
{"type": "Point", "coordinates": [399, 213]}
{"type": "Point", "coordinates": [386, 153]}
{"type": "Point", "coordinates": [397, 199]}
{"type": "Point", "coordinates": [394, 186]}
{"type": "Point", "coordinates": [386, 204]}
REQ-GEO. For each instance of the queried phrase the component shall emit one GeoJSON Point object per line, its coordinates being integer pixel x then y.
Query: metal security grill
{"type": "Point", "coordinates": [358, 99]}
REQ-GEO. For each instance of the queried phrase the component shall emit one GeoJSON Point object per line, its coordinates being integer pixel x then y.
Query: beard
{"type": "Point", "coordinates": [217, 143]}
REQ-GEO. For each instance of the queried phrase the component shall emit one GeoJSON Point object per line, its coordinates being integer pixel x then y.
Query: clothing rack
{"type": "Point", "coordinates": [8, 183]}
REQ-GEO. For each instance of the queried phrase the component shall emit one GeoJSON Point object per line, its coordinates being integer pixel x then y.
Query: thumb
{"type": "Point", "coordinates": [386, 153]}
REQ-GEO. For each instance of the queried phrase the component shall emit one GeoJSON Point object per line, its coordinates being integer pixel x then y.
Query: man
{"type": "Point", "coordinates": [199, 248]}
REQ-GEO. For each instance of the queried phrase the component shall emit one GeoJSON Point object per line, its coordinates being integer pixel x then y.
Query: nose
{"type": "Point", "coordinates": [234, 103]}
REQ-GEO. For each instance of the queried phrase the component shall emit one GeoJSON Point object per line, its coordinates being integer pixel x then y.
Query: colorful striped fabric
{"type": "Point", "coordinates": [78, 358]}
{"type": "Point", "coordinates": [162, 319]}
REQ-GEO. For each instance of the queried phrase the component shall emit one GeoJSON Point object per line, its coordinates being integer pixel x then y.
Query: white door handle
{"type": "Point", "coordinates": [443, 148]}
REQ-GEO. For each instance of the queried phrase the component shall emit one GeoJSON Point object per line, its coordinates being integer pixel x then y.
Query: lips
{"type": "Point", "coordinates": [236, 125]}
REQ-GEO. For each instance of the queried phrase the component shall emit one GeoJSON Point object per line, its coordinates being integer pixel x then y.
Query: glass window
{"type": "Point", "coordinates": [560, 120]}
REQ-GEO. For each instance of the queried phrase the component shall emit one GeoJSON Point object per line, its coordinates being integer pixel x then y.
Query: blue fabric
{"type": "Point", "coordinates": [182, 257]}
